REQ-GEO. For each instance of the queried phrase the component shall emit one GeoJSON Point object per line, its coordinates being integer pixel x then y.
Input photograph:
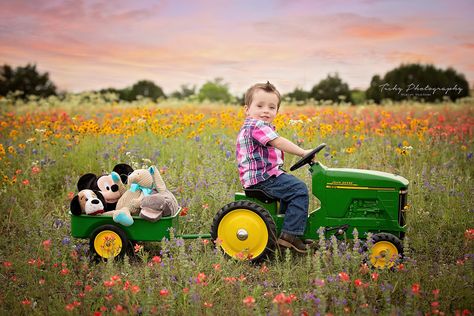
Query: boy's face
{"type": "Point", "coordinates": [264, 106]}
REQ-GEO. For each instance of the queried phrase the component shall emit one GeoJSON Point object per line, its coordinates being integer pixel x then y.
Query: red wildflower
{"type": "Point", "coordinates": [186, 290]}
{"type": "Point", "coordinates": [249, 301]}
{"type": "Point", "coordinates": [126, 285]}
{"type": "Point", "coordinates": [109, 283]}
{"type": "Point", "coordinates": [135, 289]}
{"type": "Point", "coordinates": [156, 259]}
{"type": "Point", "coordinates": [47, 244]}
{"type": "Point", "coordinates": [205, 241]}
{"type": "Point", "coordinates": [184, 211]}
{"type": "Point", "coordinates": [70, 195]}
{"type": "Point", "coordinates": [69, 307]}
{"type": "Point", "coordinates": [217, 266]}
{"type": "Point", "coordinates": [26, 302]}
{"type": "Point", "coordinates": [374, 276]}
{"type": "Point", "coordinates": [201, 278]}
{"type": "Point", "coordinates": [230, 280]}
{"type": "Point", "coordinates": [358, 282]}
{"type": "Point", "coordinates": [281, 298]}
{"type": "Point", "coordinates": [137, 248]}
{"type": "Point", "coordinates": [164, 292]}
{"type": "Point", "coordinates": [119, 308]}
{"type": "Point", "coordinates": [26, 182]}
{"type": "Point", "coordinates": [264, 269]}
{"type": "Point", "coordinates": [116, 278]}
{"type": "Point", "coordinates": [35, 170]}
{"type": "Point", "coordinates": [64, 271]}
{"type": "Point", "coordinates": [7, 264]}
{"type": "Point", "coordinates": [415, 288]}
{"type": "Point", "coordinates": [469, 234]}
{"type": "Point", "coordinates": [343, 276]}
{"type": "Point", "coordinates": [208, 304]}
{"type": "Point", "coordinates": [436, 293]}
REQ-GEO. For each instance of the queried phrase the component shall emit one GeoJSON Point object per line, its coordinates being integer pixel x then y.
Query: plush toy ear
{"type": "Point", "coordinates": [124, 171]}
{"type": "Point", "coordinates": [75, 206]}
{"type": "Point", "coordinates": [159, 183]}
{"type": "Point", "coordinates": [88, 181]}
{"type": "Point", "coordinates": [100, 197]}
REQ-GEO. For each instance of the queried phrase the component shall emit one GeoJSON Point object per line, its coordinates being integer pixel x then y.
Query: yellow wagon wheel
{"type": "Point", "coordinates": [244, 230]}
{"type": "Point", "coordinates": [385, 251]}
{"type": "Point", "coordinates": [108, 241]}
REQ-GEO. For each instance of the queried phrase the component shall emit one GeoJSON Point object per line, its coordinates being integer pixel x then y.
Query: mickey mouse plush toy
{"type": "Point", "coordinates": [105, 185]}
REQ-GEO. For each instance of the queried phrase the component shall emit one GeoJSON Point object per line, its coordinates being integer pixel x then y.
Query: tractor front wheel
{"type": "Point", "coordinates": [244, 230]}
{"type": "Point", "coordinates": [385, 251]}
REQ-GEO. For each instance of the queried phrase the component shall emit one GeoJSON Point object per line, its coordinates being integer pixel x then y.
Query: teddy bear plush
{"type": "Point", "coordinates": [87, 202]}
{"type": "Point", "coordinates": [142, 183]}
{"type": "Point", "coordinates": [110, 189]}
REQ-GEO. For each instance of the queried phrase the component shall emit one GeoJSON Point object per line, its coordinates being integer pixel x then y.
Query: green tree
{"type": "Point", "coordinates": [144, 88]}
{"type": "Point", "coordinates": [374, 91]}
{"type": "Point", "coordinates": [299, 94]}
{"type": "Point", "coordinates": [332, 88]}
{"type": "Point", "coordinates": [418, 82]}
{"type": "Point", "coordinates": [26, 80]}
{"type": "Point", "coordinates": [184, 93]}
{"type": "Point", "coordinates": [215, 90]}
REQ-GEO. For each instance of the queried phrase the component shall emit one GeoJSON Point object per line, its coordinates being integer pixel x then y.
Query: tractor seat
{"type": "Point", "coordinates": [259, 194]}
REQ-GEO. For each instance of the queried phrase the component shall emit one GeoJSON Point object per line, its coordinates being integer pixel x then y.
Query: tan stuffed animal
{"type": "Point", "coordinates": [142, 183]}
{"type": "Point", "coordinates": [163, 203]}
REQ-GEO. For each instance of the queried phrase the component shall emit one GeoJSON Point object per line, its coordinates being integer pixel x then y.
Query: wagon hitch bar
{"type": "Point", "coordinates": [340, 229]}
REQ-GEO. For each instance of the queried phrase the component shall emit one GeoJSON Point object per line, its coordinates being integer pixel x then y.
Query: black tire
{"type": "Point", "coordinates": [386, 250]}
{"type": "Point", "coordinates": [245, 234]}
{"type": "Point", "coordinates": [98, 235]}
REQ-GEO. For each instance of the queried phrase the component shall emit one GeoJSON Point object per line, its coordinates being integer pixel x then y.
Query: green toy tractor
{"type": "Point", "coordinates": [370, 201]}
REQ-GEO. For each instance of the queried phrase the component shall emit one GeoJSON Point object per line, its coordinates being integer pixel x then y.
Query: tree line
{"type": "Point", "coordinates": [406, 82]}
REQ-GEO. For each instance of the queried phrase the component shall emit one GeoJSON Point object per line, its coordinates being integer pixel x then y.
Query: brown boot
{"type": "Point", "coordinates": [292, 241]}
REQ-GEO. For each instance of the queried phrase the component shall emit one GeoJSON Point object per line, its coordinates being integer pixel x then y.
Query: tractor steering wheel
{"type": "Point", "coordinates": [307, 159]}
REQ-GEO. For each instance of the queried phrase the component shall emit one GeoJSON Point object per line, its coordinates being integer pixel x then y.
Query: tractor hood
{"type": "Point", "coordinates": [348, 178]}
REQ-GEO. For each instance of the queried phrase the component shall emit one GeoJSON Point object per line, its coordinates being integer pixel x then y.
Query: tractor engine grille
{"type": "Point", "coordinates": [402, 202]}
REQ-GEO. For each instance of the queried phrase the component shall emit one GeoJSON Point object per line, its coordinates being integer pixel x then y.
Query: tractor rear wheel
{"type": "Point", "coordinates": [385, 251]}
{"type": "Point", "coordinates": [244, 230]}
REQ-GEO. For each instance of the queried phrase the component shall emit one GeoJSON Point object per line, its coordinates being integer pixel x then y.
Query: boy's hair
{"type": "Point", "coordinates": [267, 87]}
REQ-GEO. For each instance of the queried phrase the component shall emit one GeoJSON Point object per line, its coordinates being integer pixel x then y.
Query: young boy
{"type": "Point", "coordinates": [260, 158]}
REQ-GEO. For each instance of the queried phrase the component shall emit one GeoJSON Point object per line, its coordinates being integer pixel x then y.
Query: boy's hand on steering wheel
{"type": "Point", "coordinates": [307, 151]}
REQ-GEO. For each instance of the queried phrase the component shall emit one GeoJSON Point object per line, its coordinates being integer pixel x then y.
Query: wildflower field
{"type": "Point", "coordinates": [45, 148]}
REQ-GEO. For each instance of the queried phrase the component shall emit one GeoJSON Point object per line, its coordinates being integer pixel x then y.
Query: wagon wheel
{"type": "Point", "coordinates": [385, 250]}
{"type": "Point", "coordinates": [108, 241]}
{"type": "Point", "coordinates": [244, 230]}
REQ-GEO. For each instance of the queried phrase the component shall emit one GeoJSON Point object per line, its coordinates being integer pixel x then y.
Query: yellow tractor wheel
{"type": "Point", "coordinates": [244, 230]}
{"type": "Point", "coordinates": [108, 242]}
{"type": "Point", "coordinates": [385, 251]}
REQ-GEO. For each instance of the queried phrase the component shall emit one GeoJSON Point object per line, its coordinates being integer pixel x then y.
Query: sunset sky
{"type": "Point", "coordinates": [88, 45]}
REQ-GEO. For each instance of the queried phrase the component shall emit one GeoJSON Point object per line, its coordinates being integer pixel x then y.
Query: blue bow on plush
{"type": "Point", "coordinates": [136, 187]}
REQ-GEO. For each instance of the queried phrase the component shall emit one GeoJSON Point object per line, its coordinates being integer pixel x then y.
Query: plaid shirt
{"type": "Point", "coordinates": [257, 161]}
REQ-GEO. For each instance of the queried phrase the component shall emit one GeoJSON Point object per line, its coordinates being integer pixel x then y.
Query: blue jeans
{"type": "Point", "coordinates": [293, 195]}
